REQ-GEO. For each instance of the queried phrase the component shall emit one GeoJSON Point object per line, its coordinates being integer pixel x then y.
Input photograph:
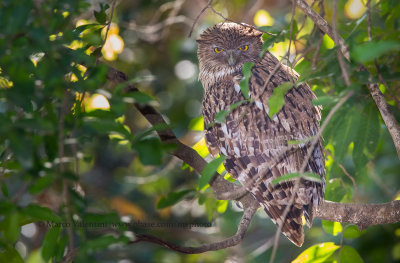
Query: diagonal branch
{"type": "Point", "coordinates": [229, 242]}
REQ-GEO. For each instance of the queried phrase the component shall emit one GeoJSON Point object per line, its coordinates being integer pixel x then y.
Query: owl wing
{"type": "Point", "coordinates": [255, 144]}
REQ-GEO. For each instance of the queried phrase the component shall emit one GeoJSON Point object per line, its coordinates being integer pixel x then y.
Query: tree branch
{"type": "Point", "coordinates": [362, 215]}
{"type": "Point", "coordinates": [248, 214]}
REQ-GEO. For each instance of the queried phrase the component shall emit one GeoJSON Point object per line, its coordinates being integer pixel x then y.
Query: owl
{"type": "Point", "coordinates": [258, 149]}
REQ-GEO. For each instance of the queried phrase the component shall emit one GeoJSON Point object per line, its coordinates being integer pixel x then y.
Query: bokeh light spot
{"type": "Point", "coordinates": [185, 69]}
{"type": "Point", "coordinates": [263, 18]}
{"type": "Point", "coordinates": [98, 101]}
{"type": "Point", "coordinates": [354, 9]}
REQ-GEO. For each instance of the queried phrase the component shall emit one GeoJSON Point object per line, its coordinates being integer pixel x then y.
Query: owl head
{"type": "Point", "coordinates": [225, 47]}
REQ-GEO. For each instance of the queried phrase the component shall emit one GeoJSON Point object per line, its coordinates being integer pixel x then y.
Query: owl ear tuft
{"type": "Point", "coordinates": [201, 41]}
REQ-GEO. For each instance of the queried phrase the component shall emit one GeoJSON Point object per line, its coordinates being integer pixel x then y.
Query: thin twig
{"type": "Point", "coordinates": [356, 197]}
{"type": "Point", "coordinates": [64, 108]}
{"type": "Point", "coordinates": [198, 16]}
{"type": "Point", "coordinates": [209, 6]}
{"type": "Point", "coordinates": [108, 27]}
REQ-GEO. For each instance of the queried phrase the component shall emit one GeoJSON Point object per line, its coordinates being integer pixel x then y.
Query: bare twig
{"type": "Point", "coordinates": [209, 6]}
{"type": "Point", "coordinates": [108, 27]}
{"type": "Point", "coordinates": [322, 24]}
{"type": "Point", "coordinates": [356, 198]}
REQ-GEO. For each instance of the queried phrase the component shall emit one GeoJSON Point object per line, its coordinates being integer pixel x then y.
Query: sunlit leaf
{"type": "Point", "coordinates": [331, 227]}
{"type": "Point", "coordinates": [317, 253]}
{"type": "Point", "coordinates": [222, 205]}
{"type": "Point", "coordinates": [197, 124]}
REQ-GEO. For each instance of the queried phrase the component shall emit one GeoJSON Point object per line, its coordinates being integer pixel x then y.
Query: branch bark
{"type": "Point", "coordinates": [362, 215]}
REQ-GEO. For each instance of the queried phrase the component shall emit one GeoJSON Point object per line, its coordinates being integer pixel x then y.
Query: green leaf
{"type": "Point", "coordinates": [102, 242]}
{"type": "Point", "coordinates": [197, 124]}
{"type": "Point", "coordinates": [40, 213]}
{"type": "Point", "coordinates": [345, 132]}
{"type": "Point", "coordinates": [101, 16]}
{"type": "Point", "coordinates": [349, 255]}
{"type": "Point", "coordinates": [40, 184]}
{"type": "Point", "coordinates": [285, 177]}
{"type": "Point", "coordinates": [244, 82]}
{"type": "Point", "coordinates": [221, 116]}
{"type": "Point", "coordinates": [277, 100]}
{"type": "Point", "coordinates": [323, 101]}
{"type": "Point", "coordinates": [209, 171]}
{"type": "Point", "coordinates": [332, 228]}
{"type": "Point", "coordinates": [50, 243]}
{"type": "Point", "coordinates": [222, 205]}
{"type": "Point", "coordinates": [367, 136]}
{"type": "Point", "coordinates": [4, 189]}
{"type": "Point", "coordinates": [290, 176]}
{"type": "Point", "coordinates": [10, 255]}
{"type": "Point", "coordinates": [149, 150]}
{"type": "Point", "coordinates": [211, 206]}
{"type": "Point", "coordinates": [317, 254]}
{"type": "Point", "coordinates": [374, 49]}
{"type": "Point", "coordinates": [351, 232]}
{"type": "Point", "coordinates": [10, 226]}
{"type": "Point", "coordinates": [172, 198]}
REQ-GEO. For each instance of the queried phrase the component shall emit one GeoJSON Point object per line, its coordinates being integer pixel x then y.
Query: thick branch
{"type": "Point", "coordinates": [362, 215]}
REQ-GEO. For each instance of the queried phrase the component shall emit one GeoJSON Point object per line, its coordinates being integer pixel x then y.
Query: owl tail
{"type": "Point", "coordinates": [292, 227]}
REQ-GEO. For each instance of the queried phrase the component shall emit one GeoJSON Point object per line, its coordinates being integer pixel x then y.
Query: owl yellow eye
{"type": "Point", "coordinates": [218, 50]}
{"type": "Point", "coordinates": [244, 48]}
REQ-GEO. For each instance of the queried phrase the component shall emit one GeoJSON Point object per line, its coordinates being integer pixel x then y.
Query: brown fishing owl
{"type": "Point", "coordinates": [251, 141]}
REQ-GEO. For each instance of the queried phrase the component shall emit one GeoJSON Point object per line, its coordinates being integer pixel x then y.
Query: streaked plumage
{"type": "Point", "coordinates": [249, 139]}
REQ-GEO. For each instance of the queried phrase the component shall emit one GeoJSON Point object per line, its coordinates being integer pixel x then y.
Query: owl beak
{"type": "Point", "coordinates": [231, 59]}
